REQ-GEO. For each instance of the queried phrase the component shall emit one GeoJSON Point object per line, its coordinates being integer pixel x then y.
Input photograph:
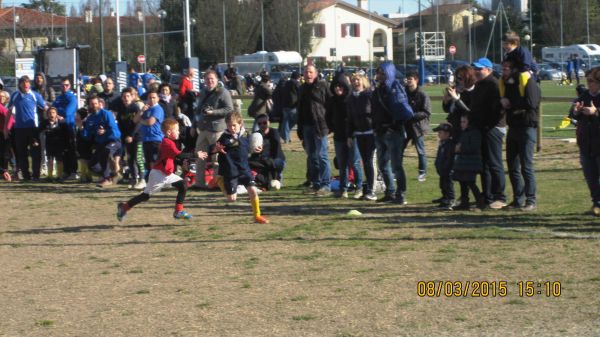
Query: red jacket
{"type": "Point", "coordinates": [185, 86]}
{"type": "Point", "coordinates": [166, 156]}
{"type": "Point", "coordinates": [3, 114]}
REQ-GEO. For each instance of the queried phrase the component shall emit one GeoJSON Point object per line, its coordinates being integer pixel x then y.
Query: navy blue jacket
{"type": "Point", "coordinates": [234, 162]}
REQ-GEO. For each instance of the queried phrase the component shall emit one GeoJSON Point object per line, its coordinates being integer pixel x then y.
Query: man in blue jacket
{"type": "Point", "coordinates": [100, 126]}
{"type": "Point", "coordinates": [66, 105]}
{"type": "Point", "coordinates": [391, 110]}
{"type": "Point", "coordinates": [25, 101]}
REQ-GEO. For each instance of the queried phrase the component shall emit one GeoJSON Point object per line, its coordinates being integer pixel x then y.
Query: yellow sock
{"type": "Point", "coordinates": [255, 206]}
{"type": "Point", "coordinates": [221, 183]}
{"type": "Point", "coordinates": [59, 169]}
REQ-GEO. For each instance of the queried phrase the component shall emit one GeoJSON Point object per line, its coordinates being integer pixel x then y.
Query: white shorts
{"type": "Point", "coordinates": [157, 180]}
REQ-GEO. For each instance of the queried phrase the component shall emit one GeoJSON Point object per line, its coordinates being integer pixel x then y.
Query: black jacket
{"type": "Point", "coordinates": [311, 107]}
{"type": "Point", "coordinates": [381, 117]}
{"type": "Point", "coordinates": [359, 113]}
{"type": "Point", "coordinates": [421, 104]}
{"type": "Point", "coordinates": [444, 159]}
{"type": "Point", "coordinates": [524, 110]}
{"type": "Point", "coordinates": [486, 111]}
{"type": "Point", "coordinates": [290, 94]}
{"type": "Point", "coordinates": [336, 108]}
{"type": "Point", "coordinates": [455, 109]}
{"type": "Point", "coordinates": [262, 93]}
{"type": "Point", "coordinates": [588, 127]}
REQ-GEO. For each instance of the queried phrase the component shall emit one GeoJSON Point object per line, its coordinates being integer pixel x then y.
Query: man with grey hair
{"type": "Point", "coordinates": [213, 105]}
{"type": "Point", "coordinates": [313, 129]}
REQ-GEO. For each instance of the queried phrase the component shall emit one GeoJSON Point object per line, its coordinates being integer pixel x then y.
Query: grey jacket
{"type": "Point", "coordinates": [219, 102]}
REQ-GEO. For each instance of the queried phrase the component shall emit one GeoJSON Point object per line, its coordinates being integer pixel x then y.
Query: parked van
{"type": "Point", "coordinates": [588, 53]}
{"type": "Point", "coordinates": [271, 61]}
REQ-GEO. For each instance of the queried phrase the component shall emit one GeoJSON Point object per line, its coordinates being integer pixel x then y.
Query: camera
{"type": "Point", "coordinates": [206, 108]}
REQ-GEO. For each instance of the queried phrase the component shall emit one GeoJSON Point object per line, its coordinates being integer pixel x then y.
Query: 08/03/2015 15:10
{"type": "Point", "coordinates": [487, 288]}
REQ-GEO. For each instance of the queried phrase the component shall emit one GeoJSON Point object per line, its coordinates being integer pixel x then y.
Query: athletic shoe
{"type": "Point", "coordinates": [596, 210]}
{"type": "Point", "coordinates": [498, 204]}
{"type": "Point", "coordinates": [121, 212]}
{"type": "Point", "coordinates": [463, 206]}
{"type": "Point", "coordinates": [422, 177]}
{"type": "Point", "coordinates": [182, 215]}
{"type": "Point", "coordinates": [358, 194]}
{"type": "Point", "coordinates": [325, 191]}
{"type": "Point", "coordinates": [370, 197]}
{"type": "Point", "coordinates": [341, 194]}
{"type": "Point", "coordinates": [104, 182]}
{"type": "Point", "coordinates": [261, 219]}
{"type": "Point", "coordinates": [400, 201]}
{"type": "Point", "coordinates": [275, 184]}
{"type": "Point", "coordinates": [386, 198]}
{"type": "Point", "coordinates": [529, 208]}
{"type": "Point", "coordinates": [140, 185]}
{"type": "Point", "coordinates": [445, 206]}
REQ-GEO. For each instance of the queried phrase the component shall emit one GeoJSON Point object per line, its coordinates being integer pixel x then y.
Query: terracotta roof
{"type": "Point", "coordinates": [29, 18]}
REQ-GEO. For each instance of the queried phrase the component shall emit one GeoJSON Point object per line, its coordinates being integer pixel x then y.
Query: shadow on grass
{"type": "Point", "coordinates": [94, 228]}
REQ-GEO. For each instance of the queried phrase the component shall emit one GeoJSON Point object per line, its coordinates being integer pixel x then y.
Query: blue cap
{"type": "Point", "coordinates": [483, 62]}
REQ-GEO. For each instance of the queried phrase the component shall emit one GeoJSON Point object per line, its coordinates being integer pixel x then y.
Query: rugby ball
{"type": "Point", "coordinates": [256, 141]}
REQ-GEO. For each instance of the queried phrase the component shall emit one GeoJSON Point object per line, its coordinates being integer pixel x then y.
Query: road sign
{"type": "Point", "coordinates": [141, 59]}
{"type": "Point", "coordinates": [452, 49]}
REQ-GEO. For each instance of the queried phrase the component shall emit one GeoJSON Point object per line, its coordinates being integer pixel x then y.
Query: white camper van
{"type": "Point", "coordinates": [262, 60]}
{"type": "Point", "coordinates": [589, 53]}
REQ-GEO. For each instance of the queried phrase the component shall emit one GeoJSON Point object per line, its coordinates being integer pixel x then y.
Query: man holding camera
{"type": "Point", "coordinates": [213, 105]}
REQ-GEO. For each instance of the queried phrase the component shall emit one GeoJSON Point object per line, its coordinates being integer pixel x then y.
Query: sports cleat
{"type": "Point", "coordinates": [121, 212]}
{"type": "Point", "coordinates": [182, 215]}
{"type": "Point", "coordinates": [370, 197]}
{"type": "Point", "coordinates": [261, 219]}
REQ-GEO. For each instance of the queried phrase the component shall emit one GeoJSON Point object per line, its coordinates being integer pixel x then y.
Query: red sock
{"type": "Point", "coordinates": [126, 207]}
{"type": "Point", "coordinates": [178, 207]}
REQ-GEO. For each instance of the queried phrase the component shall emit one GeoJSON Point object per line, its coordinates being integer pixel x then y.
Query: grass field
{"type": "Point", "coordinates": [69, 268]}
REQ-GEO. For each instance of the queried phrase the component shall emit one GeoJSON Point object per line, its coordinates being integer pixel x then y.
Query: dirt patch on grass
{"type": "Point", "coordinates": [70, 269]}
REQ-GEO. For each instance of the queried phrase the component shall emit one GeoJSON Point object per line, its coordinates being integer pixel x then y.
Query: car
{"type": "Point", "coordinates": [547, 72]}
{"type": "Point", "coordinates": [10, 83]}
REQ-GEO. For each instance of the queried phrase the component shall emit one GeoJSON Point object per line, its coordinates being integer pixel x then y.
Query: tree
{"type": "Point", "coordinates": [48, 6]}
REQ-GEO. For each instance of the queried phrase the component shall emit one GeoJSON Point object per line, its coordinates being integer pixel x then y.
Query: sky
{"type": "Point", "coordinates": [379, 6]}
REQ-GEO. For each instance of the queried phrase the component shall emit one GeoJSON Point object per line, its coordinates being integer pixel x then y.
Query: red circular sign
{"type": "Point", "coordinates": [141, 59]}
{"type": "Point", "coordinates": [452, 49]}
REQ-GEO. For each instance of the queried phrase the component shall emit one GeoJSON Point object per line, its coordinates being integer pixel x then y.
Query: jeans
{"type": "Point", "coordinates": [100, 162]}
{"type": "Point", "coordinates": [366, 147]}
{"type": "Point", "coordinates": [290, 117]}
{"type": "Point", "coordinates": [591, 172]}
{"type": "Point", "coordinates": [28, 142]}
{"type": "Point", "coordinates": [520, 144]}
{"type": "Point", "coordinates": [318, 158]}
{"type": "Point", "coordinates": [390, 153]}
{"type": "Point", "coordinates": [493, 181]}
{"type": "Point", "coordinates": [447, 188]}
{"type": "Point", "coordinates": [348, 157]}
{"type": "Point", "coordinates": [420, 147]}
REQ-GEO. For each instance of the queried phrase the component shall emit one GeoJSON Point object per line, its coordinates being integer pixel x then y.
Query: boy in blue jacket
{"type": "Point", "coordinates": [232, 149]}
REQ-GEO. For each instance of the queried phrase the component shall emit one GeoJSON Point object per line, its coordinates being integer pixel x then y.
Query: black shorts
{"type": "Point", "coordinates": [231, 184]}
{"type": "Point", "coordinates": [150, 151]}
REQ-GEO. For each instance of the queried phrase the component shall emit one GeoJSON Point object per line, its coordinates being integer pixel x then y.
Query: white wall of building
{"type": "Point", "coordinates": [333, 17]}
